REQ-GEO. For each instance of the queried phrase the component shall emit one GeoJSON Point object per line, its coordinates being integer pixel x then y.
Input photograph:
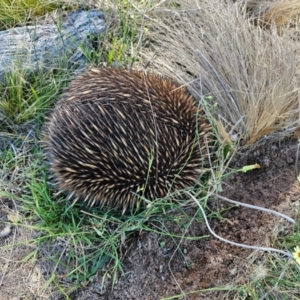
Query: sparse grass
{"type": "Point", "coordinates": [19, 12]}
{"type": "Point", "coordinates": [272, 276]}
{"type": "Point", "coordinates": [77, 241]}
{"type": "Point", "coordinates": [119, 47]}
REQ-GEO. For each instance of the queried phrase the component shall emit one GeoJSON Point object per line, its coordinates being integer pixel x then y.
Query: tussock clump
{"type": "Point", "coordinates": [115, 136]}
{"type": "Point", "coordinates": [281, 13]}
{"type": "Point", "coordinates": [250, 72]}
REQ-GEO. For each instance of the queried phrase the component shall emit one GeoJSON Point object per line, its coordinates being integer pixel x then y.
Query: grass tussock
{"type": "Point", "coordinates": [26, 99]}
{"type": "Point", "coordinates": [281, 12]}
{"type": "Point", "coordinates": [250, 72]}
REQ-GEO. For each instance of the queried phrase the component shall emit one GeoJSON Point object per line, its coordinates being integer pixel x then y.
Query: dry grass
{"type": "Point", "coordinates": [278, 12]}
{"type": "Point", "coordinates": [250, 72]}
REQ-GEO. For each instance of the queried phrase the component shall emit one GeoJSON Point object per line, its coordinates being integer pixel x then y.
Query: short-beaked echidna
{"type": "Point", "coordinates": [117, 135]}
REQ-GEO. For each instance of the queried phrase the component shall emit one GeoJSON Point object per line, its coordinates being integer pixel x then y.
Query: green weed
{"type": "Point", "coordinates": [26, 99]}
{"type": "Point", "coordinates": [18, 12]}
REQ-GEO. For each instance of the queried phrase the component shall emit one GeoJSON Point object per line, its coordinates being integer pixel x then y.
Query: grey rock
{"type": "Point", "coordinates": [42, 47]}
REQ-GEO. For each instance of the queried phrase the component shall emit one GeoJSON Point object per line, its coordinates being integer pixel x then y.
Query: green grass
{"type": "Point", "coordinates": [27, 99]}
{"type": "Point", "coordinates": [282, 278]}
{"type": "Point", "coordinates": [89, 237]}
{"type": "Point", "coordinates": [87, 240]}
{"type": "Point", "coordinates": [120, 45]}
{"type": "Point", "coordinates": [20, 12]}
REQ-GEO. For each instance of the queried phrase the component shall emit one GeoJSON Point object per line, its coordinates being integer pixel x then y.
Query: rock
{"type": "Point", "coordinates": [42, 47]}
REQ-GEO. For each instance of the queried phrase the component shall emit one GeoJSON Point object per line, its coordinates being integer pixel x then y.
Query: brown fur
{"type": "Point", "coordinates": [117, 135]}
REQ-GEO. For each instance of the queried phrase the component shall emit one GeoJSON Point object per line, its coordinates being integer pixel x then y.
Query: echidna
{"type": "Point", "coordinates": [116, 136]}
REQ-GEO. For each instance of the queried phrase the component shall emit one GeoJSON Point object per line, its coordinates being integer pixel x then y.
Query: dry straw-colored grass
{"type": "Point", "coordinates": [278, 12]}
{"type": "Point", "coordinates": [250, 71]}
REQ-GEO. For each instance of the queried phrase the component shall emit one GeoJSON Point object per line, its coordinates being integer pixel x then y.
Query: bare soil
{"type": "Point", "coordinates": [156, 266]}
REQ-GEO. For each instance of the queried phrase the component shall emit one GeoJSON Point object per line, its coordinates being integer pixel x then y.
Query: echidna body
{"type": "Point", "coordinates": [116, 136]}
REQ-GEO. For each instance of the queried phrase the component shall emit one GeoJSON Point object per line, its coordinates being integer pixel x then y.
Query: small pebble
{"type": "Point", "coordinates": [161, 268]}
{"type": "Point", "coordinates": [6, 231]}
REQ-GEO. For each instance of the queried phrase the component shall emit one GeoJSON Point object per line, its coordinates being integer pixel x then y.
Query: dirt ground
{"type": "Point", "coordinates": [154, 266]}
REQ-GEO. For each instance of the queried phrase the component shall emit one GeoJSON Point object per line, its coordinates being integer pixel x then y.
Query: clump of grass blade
{"type": "Point", "coordinates": [251, 73]}
{"type": "Point", "coordinates": [22, 12]}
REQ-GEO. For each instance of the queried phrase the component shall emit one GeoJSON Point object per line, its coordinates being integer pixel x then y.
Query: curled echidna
{"type": "Point", "coordinates": [117, 135]}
